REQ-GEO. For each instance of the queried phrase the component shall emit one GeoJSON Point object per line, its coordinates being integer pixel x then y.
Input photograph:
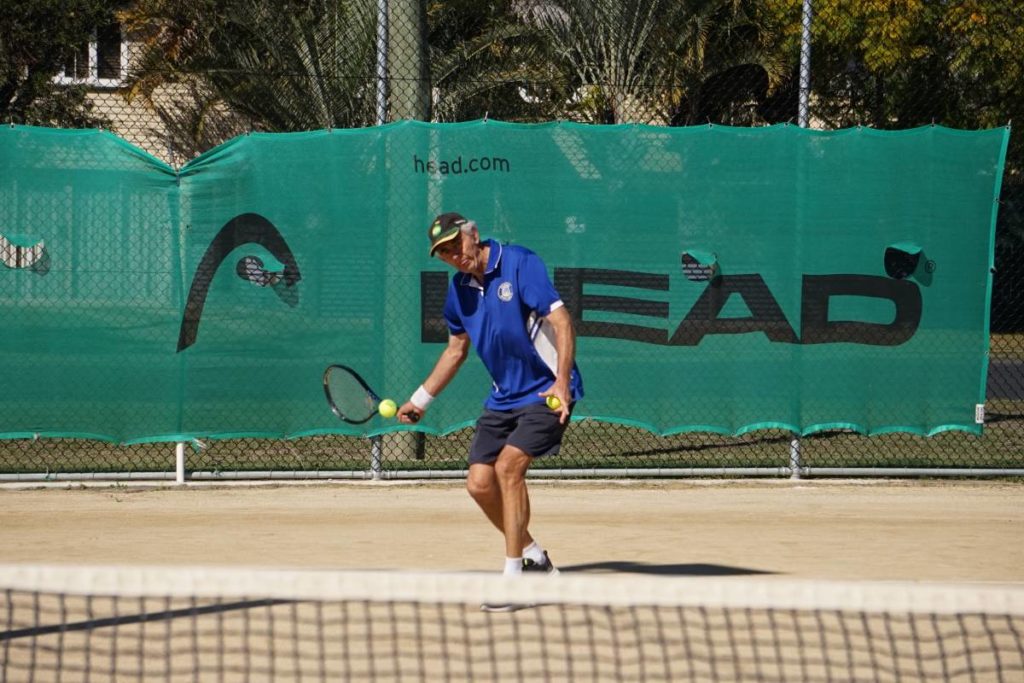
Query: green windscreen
{"type": "Point", "coordinates": [720, 279]}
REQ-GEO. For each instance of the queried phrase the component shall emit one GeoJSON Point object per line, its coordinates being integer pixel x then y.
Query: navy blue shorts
{"type": "Point", "coordinates": [535, 430]}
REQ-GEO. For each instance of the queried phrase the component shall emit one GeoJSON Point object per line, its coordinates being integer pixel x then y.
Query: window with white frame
{"type": "Point", "coordinates": [100, 62]}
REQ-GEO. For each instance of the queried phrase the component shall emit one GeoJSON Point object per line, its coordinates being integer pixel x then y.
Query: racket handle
{"type": "Point", "coordinates": [413, 417]}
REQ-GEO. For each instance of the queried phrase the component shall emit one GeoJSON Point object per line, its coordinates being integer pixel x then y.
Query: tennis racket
{"type": "Point", "coordinates": [350, 397]}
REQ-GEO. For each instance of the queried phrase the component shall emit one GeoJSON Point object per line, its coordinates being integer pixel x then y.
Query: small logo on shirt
{"type": "Point", "coordinates": [505, 291]}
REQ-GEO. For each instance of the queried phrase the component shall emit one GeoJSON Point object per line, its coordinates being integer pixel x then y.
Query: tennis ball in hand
{"type": "Point", "coordinates": [387, 408]}
{"type": "Point", "coordinates": [553, 402]}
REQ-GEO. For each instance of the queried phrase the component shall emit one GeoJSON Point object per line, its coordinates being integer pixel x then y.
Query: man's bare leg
{"type": "Point", "coordinates": [510, 472]}
{"type": "Point", "coordinates": [482, 485]}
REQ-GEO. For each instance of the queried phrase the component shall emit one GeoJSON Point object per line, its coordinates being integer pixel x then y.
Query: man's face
{"type": "Point", "coordinates": [463, 253]}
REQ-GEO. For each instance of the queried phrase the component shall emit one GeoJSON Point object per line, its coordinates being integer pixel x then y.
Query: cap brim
{"type": "Point", "coordinates": [443, 239]}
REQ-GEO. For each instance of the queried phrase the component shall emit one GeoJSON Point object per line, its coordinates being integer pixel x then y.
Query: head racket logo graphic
{"type": "Point", "coordinates": [281, 275]}
{"type": "Point", "coordinates": [22, 252]}
{"type": "Point", "coordinates": [253, 269]}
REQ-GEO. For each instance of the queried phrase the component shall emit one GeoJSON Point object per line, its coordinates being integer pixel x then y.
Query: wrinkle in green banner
{"type": "Point", "coordinates": [721, 279]}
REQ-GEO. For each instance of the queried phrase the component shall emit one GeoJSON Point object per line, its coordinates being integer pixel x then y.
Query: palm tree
{"type": "Point", "coordinates": [488, 59]}
{"type": "Point", "coordinates": [660, 60]}
{"type": "Point", "coordinates": [275, 65]}
{"type": "Point", "coordinates": [726, 61]}
{"type": "Point", "coordinates": [604, 61]}
{"type": "Point", "coordinates": [299, 65]}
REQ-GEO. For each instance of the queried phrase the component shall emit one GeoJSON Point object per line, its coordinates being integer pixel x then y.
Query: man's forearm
{"type": "Point", "coordinates": [444, 371]}
{"type": "Point", "coordinates": [565, 343]}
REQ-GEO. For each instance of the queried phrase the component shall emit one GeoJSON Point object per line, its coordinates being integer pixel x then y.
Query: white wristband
{"type": "Point", "coordinates": [421, 398]}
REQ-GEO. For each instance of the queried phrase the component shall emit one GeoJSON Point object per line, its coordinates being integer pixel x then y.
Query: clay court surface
{"type": "Point", "coordinates": [877, 530]}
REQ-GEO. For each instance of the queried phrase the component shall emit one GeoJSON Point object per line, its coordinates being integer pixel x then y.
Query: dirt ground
{"type": "Point", "coordinates": [878, 530]}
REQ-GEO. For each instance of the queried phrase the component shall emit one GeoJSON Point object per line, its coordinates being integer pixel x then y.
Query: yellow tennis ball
{"type": "Point", "coordinates": [387, 408]}
{"type": "Point", "coordinates": [553, 403]}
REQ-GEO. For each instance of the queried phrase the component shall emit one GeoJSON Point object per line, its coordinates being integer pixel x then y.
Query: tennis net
{"type": "Point", "coordinates": [208, 624]}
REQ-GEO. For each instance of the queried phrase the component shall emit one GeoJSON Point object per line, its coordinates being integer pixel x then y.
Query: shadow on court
{"type": "Point", "coordinates": [625, 566]}
{"type": "Point", "coordinates": [190, 612]}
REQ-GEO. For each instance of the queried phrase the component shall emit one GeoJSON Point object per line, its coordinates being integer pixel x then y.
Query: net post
{"type": "Point", "coordinates": [795, 465]}
{"type": "Point", "coordinates": [179, 462]}
{"type": "Point", "coordinates": [375, 453]}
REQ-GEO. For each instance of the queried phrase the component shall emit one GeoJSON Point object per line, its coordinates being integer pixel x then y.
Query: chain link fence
{"type": "Point", "coordinates": [177, 80]}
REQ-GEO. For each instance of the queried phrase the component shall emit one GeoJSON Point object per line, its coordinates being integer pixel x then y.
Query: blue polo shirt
{"type": "Point", "coordinates": [504, 317]}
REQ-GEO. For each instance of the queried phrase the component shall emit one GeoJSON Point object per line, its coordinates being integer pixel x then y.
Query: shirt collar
{"type": "Point", "coordinates": [493, 258]}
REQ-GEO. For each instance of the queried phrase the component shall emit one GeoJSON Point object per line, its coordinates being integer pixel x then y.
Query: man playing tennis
{"type": "Point", "coordinates": [502, 301]}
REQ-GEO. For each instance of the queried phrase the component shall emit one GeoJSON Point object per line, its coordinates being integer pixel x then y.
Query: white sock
{"type": "Point", "coordinates": [513, 566]}
{"type": "Point", "coordinates": [534, 552]}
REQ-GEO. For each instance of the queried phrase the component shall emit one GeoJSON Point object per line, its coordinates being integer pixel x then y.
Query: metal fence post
{"type": "Point", "coordinates": [179, 462]}
{"type": "Point", "coordinates": [382, 62]}
{"type": "Point", "coordinates": [375, 455]}
{"type": "Point", "coordinates": [805, 64]}
{"type": "Point", "coordinates": [794, 458]}
{"type": "Point", "coordinates": [803, 108]}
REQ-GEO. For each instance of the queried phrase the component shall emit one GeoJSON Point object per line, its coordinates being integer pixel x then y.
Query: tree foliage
{"type": "Point", "coordinates": [216, 67]}
{"type": "Point", "coordinates": [664, 60]}
{"type": "Point", "coordinates": [905, 63]}
{"type": "Point", "coordinates": [274, 65]}
{"type": "Point", "coordinates": [603, 61]}
{"type": "Point", "coordinates": [488, 60]}
{"type": "Point", "coordinates": [37, 37]}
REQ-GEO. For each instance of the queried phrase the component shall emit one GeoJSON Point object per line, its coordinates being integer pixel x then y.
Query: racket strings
{"type": "Point", "coordinates": [349, 397]}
